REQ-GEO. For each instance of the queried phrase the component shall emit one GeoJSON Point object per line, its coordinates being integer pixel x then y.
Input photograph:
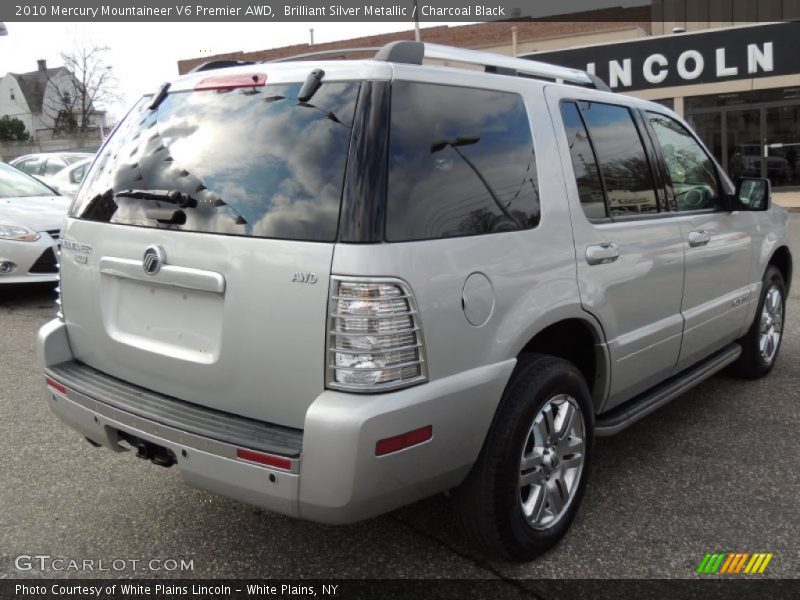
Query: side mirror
{"type": "Point", "coordinates": [752, 194]}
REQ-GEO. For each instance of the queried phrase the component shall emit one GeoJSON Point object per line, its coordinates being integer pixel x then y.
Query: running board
{"type": "Point", "coordinates": [642, 405]}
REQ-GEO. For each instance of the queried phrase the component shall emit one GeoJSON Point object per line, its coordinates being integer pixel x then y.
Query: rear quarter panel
{"type": "Point", "coordinates": [532, 272]}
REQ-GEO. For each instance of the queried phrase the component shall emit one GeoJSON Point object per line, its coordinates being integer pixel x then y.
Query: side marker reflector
{"type": "Point", "coordinates": [403, 441]}
{"type": "Point", "coordinates": [269, 460]}
{"type": "Point", "coordinates": [55, 386]}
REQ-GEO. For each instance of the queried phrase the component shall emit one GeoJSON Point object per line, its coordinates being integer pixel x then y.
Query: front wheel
{"type": "Point", "coordinates": [524, 490]}
{"type": "Point", "coordinates": [763, 341]}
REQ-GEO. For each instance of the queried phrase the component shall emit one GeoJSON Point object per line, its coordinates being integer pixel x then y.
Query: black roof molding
{"type": "Point", "coordinates": [403, 51]}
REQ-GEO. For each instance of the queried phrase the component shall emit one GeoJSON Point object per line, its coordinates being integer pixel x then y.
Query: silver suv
{"type": "Point", "coordinates": [332, 288]}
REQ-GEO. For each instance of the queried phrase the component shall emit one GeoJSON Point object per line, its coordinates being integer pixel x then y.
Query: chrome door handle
{"type": "Point", "coordinates": [698, 238]}
{"type": "Point", "coordinates": [602, 254]}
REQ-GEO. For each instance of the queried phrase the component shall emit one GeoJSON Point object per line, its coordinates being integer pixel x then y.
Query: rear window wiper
{"type": "Point", "coordinates": [172, 196]}
{"type": "Point", "coordinates": [175, 197]}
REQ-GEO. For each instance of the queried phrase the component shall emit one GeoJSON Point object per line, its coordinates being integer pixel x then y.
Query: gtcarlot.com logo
{"type": "Point", "coordinates": [45, 562]}
{"type": "Point", "coordinates": [734, 563]}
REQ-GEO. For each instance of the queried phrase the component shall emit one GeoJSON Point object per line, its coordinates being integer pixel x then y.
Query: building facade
{"type": "Point", "coordinates": [717, 63]}
{"type": "Point", "coordinates": [738, 86]}
{"type": "Point", "coordinates": [42, 100]}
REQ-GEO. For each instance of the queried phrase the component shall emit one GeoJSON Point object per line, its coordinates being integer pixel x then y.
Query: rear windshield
{"type": "Point", "coordinates": [247, 161]}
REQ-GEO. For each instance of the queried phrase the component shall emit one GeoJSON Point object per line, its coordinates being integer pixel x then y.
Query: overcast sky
{"type": "Point", "coordinates": [146, 54]}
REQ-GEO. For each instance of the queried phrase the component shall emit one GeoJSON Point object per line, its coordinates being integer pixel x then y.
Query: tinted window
{"type": "Point", "coordinates": [623, 163]}
{"type": "Point", "coordinates": [590, 187]}
{"type": "Point", "coordinates": [461, 162]}
{"type": "Point", "coordinates": [694, 179]}
{"type": "Point", "coordinates": [248, 161]}
{"type": "Point", "coordinates": [15, 184]}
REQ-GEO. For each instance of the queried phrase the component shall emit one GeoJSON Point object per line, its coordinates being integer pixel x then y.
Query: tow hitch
{"type": "Point", "coordinates": [158, 455]}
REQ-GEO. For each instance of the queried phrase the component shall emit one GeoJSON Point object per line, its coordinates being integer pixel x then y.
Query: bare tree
{"type": "Point", "coordinates": [88, 84]}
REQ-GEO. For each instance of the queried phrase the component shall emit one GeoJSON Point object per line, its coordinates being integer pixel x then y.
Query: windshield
{"type": "Point", "coordinates": [246, 161]}
{"type": "Point", "coordinates": [16, 184]}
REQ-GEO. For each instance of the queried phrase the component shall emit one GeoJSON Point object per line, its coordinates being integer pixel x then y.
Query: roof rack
{"type": "Point", "coordinates": [220, 64]}
{"type": "Point", "coordinates": [414, 52]}
{"type": "Point", "coordinates": [323, 53]}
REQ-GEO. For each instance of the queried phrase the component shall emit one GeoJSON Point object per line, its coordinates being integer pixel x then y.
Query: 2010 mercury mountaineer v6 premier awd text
{"type": "Point", "coordinates": [331, 288]}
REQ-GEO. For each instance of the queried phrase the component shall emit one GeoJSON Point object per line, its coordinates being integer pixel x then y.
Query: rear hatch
{"type": "Point", "coordinates": [197, 255]}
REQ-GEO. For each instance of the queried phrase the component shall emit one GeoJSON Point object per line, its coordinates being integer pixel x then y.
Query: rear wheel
{"type": "Point", "coordinates": [524, 490]}
{"type": "Point", "coordinates": [763, 341]}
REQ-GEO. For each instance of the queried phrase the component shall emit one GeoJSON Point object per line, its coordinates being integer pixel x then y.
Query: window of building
{"type": "Point", "coordinates": [623, 163]}
{"type": "Point", "coordinates": [692, 173]}
{"type": "Point", "coordinates": [584, 165]}
{"type": "Point", "coordinates": [461, 162]}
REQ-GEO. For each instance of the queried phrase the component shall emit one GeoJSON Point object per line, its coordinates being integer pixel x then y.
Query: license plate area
{"type": "Point", "coordinates": [175, 322]}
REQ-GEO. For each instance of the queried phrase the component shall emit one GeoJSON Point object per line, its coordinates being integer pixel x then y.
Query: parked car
{"type": "Point", "coordinates": [340, 287]}
{"type": "Point", "coordinates": [67, 181]}
{"type": "Point", "coordinates": [47, 164]}
{"type": "Point", "coordinates": [30, 221]}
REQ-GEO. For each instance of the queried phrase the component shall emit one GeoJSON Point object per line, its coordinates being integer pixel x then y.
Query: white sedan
{"type": "Point", "coordinates": [30, 224]}
{"type": "Point", "coordinates": [67, 181]}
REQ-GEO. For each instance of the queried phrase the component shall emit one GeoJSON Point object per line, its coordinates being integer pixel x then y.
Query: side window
{"type": "Point", "coordinates": [53, 166]}
{"type": "Point", "coordinates": [623, 163]}
{"type": "Point", "coordinates": [590, 186]}
{"type": "Point", "coordinates": [31, 166]}
{"type": "Point", "coordinates": [77, 174]}
{"type": "Point", "coordinates": [461, 162]}
{"type": "Point", "coordinates": [694, 178]}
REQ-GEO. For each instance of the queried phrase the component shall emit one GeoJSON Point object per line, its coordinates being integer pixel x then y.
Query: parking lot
{"type": "Point", "coordinates": [716, 470]}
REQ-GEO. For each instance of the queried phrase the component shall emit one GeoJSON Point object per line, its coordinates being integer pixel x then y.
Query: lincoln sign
{"type": "Point", "coordinates": [690, 58]}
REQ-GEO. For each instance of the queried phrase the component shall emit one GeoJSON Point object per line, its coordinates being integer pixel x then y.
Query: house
{"type": "Point", "coordinates": [45, 101]}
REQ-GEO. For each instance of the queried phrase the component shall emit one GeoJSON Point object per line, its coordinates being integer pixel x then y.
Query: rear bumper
{"type": "Point", "coordinates": [342, 479]}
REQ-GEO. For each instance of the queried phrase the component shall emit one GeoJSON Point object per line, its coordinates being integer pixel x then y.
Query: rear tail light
{"type": "Point", "coordinates": [60, 312]}
{"type": "Point", "coordinates": [374, 336]}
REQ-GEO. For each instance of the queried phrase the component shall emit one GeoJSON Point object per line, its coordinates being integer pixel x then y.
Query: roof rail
{"type": "Point", "coordinates": [220, 64]}
{"type": "Point", "coordinates": [414, 52]}
{"type": "Point", "coordinates": [323, 53]}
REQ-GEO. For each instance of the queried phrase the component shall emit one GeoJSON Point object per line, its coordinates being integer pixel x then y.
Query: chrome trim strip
{"type": "Point", "coordinates": [171, 275]}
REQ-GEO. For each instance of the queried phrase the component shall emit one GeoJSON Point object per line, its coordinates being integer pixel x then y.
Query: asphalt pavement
{"type": "Point", "coordinates": [715, 470]}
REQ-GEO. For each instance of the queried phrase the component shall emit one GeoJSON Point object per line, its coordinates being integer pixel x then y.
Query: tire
{"type": "Point", "coordinates": [499, 488]}
{"type": "Point", "coordinates": [754, 362]}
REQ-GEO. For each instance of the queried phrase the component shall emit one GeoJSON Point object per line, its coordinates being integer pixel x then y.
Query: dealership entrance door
{"type": "Point", "coordinates": [752, 134]}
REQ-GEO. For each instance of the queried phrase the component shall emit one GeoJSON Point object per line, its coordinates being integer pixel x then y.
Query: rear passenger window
{"type": "Point", "coordinates": [590, 186]}
{"type": "Point", "coordinates": [620, 154]}
{"type": "Point", "coordinates": [461, 162]}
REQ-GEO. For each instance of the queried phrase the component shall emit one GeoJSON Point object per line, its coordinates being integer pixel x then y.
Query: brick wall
{"type": "Point", "coordinates": [481, 35]}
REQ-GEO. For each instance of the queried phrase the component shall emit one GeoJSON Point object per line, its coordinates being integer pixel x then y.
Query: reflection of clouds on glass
{"type": "Point", "coordinates": [253, 166]}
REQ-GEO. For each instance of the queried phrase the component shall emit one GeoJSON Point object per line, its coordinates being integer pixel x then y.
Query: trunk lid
{"type": "Point", "coordinates": [197, 256]}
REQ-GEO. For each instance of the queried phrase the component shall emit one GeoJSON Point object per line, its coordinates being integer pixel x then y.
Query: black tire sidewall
{"type": "Point", "coordinates": [527, 399]}
{"type": "Point", "coordinates": [772, 278]}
